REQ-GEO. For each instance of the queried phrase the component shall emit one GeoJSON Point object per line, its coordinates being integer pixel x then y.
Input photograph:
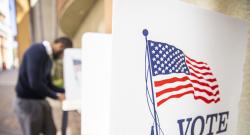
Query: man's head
{"type": "Point", "coordinates": [59, 45]}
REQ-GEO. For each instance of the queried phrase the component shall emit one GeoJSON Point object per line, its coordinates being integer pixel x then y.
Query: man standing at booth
{"type": "Point", "coordinates": [35, 84]}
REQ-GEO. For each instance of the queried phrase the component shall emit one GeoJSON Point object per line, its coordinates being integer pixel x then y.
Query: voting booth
{"type": "Point", "coordinates": [72, 62]}
{"type": "Point", "coordinates": [176, 69]}
{"type": "Point", "coordinates": [169, 68]}
{"type": "Point", "coordinates": [96, 83]}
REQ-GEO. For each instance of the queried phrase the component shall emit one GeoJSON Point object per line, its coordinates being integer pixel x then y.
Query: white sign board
{"type": "Point", "coordinates": [72, 79]}
{"type": "Point", "coordinates": [96, 73]}
{"type": "Point", "coordinates": [181, 76]}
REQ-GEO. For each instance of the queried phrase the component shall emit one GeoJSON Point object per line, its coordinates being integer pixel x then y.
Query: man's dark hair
{"type": "Point", "coordinates": [65, 41]}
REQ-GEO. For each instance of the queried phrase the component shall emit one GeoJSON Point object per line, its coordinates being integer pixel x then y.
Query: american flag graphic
{"type": "Point", "coordinates": [175, 75]}
{"type": "Point", "coordinates": [77, 65]}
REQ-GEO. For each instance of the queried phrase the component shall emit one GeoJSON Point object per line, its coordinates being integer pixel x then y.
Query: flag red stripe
{"type": "Point", "coordinates": [201, 68]}
{"type": "Point", "coordinates": [207, 92]}
{"type": "Point", "coordinates": [204, 84]}
{"type": "Point", "coordinates": [186, 93]}
{"type": "Point", "coordinates": [159, 93]}
{"type": "Point", "coordinates": [173, 89]}
{"type": "Point", "coordinates": [171, 80]}
{"type": "Point", "coordinates": [215, 87]}
{"type": "Point", "coordinates": [174, 96]}
{"type": "Point", "coordinates": [211, 80]}
{"type": "Point", "coordinates": [201, 77]}
{"type": "Point", "coordinates": [207, 100]}
{"type": "Point", "coordinates": [205, 73]}
{"type": "Point", "coordinates": [175, 79]}
{"type": "Point", "coordinates": [198, 62]}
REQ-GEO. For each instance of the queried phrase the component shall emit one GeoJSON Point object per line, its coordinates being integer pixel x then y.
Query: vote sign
{"type": "Point", "coordinates": [177, 69]}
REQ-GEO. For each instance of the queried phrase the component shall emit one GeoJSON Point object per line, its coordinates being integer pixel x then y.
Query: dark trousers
{"type": "Point", "coordinates": [35, 117]}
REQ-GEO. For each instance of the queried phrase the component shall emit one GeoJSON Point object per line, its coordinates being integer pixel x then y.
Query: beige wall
{"type": "Point", "coordinates": [108, 15]}
{"type": "Point", "coordinates": [94, 22]}
{"type": "Point", "coordinates": [239, 9]}
{"type": "Point", "coordinates": [44, 21]}
{"type": "Point", "coordinates": [23, 27]}
{"type": "Point", "coordinates": [23, 36]}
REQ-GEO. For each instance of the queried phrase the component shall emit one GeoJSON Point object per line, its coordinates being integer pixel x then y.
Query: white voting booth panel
{"type": "Point", "coordinates": [72, 79]}
{"type": "Point", "coordinates": [154, 88]}
{"type": "Point", "coordinates": [96, 55]}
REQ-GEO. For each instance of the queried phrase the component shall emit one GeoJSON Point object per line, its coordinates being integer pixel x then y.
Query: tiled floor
{"type": "Point", "coordinates": [8, 122]}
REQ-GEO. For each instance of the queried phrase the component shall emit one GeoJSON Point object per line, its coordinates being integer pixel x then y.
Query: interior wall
{"type": "Point", "coordinates": [44, 21]}
{"type": "Point", "coordinates": [239, 9]}
{"type": "Point", "coordinates": [94, 22]}
{"type": "Point", "coordinates": [23, 36]}
{"type": "Point", "coordinates": [108, 15]}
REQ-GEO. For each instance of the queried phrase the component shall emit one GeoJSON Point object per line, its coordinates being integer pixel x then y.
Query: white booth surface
{"type": "Point", "coordinates": [72, 79]}
{"type": "Point", "coordinates": [96, 75]}
{"type": "Point", "coordinates": [181, 76]}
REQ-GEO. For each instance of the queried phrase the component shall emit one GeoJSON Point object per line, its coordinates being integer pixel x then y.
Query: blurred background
{"type": "Point", "coordinates": [23, 22]}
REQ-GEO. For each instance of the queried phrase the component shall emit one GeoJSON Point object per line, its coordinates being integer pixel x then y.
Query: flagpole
{"type": "Point", "coordinates": [145, 33]}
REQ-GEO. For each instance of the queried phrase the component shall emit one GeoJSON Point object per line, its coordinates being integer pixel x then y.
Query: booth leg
{"type": "Point", "coordinates": [64, 122]}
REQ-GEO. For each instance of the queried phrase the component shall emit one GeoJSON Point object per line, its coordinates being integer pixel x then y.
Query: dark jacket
{"type": "Point", "coordinates": [34, 80]}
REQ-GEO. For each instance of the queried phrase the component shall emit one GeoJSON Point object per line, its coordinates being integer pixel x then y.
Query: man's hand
{"type": "Point", "coordinates": [60, 96]}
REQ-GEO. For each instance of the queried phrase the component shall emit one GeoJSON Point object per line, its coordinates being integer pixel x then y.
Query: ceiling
{"type": "Point", "coordinates": [73, 15]}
